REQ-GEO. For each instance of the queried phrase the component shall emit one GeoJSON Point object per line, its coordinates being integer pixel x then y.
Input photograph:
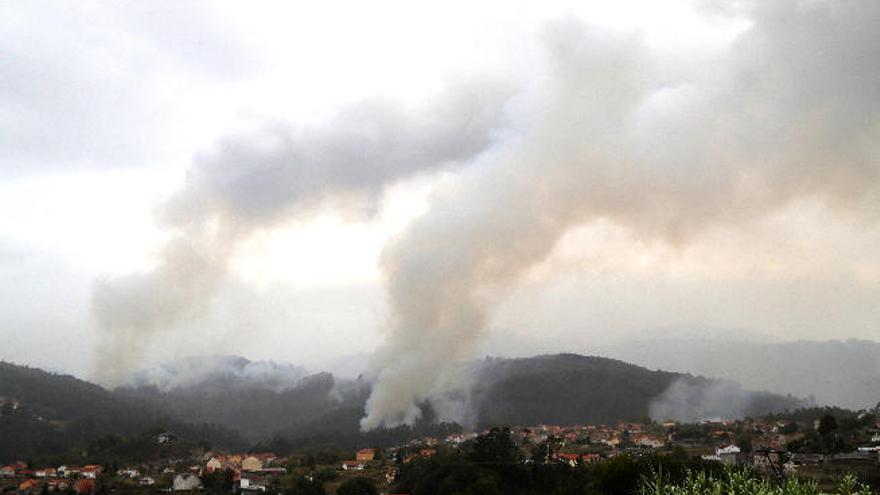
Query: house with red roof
{"type": "Point", "coordinates": [28, 486]}
{"type": "Point", "coordinates": [91, 471]}
{"type": "Point", "coordinates": [84, 487]}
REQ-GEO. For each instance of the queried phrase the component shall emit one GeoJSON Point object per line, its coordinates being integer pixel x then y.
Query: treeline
{"type": "Point", "coordinates": [492, 464]}
{"type": "Point", "coordinates": [827, 430]}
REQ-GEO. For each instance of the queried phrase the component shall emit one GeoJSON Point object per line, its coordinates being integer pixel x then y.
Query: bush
{"type": "Point", "coordinates": [357, 486]}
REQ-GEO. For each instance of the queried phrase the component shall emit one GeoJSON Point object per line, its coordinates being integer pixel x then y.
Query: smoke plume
{"type": "Point", "coordinates": [789, 111]}
{"type": "Point", "coordinates": [609, 129]}
{"type": "Point", "coordinates": [692, 399]}
{"type": "Point", "coordinates": [230, 371]}
{"type": "Point", "coordinates": [273, 174]}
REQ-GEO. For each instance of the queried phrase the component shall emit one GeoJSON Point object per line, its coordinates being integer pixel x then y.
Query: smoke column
{"type": "Point", "coordinates": [272, 174]}
{"type": "Point", "coordinates": [789, 111]}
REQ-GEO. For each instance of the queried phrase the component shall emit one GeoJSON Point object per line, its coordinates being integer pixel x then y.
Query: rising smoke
{"type": "Point", "coordinates": [614, 131]}
{"type": "Point", "coordinates": [231, 371]}
{"type": "Point", "coordinates": [789, 111]}
{"type": "Point", "coordinates": [272, 174]}
{"type": "Point", "coordinates": [689, 400]}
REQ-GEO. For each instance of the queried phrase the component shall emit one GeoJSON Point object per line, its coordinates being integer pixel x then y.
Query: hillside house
{"type": "Point", "coordinates": [68, 471]}
{"type": "Point", "coordinates": [57, 485]}
{"type": "Point", "coordinates": [650, 441]}
{"type": "Point", "coordinates": [131, 473]}
{"type": "Point", "coordinates": [28, 486]}
{"type": "Point", "coordinates": [186, 481]}
{"type": "Point", "coordinates": [92, 471]}
{"type": "Point", "coordinates": [353, 465]}
{"type": "Point", "coordinates": [246, 485]}
{"type": "Point", "coordinates": [45, 473]}
{"type": "Point", "coordinates": [728, 449]}
{"type": "Point", "coordinates": [251, 463]}
{"type": "Point", "coordinates": [366, 454]}
{"type": "Point", "coordinates": [84, 487]}
{"type": "Point", "coordinates": [165, 438]}
{"type": "Point", "coordinates": [573, 459]}
{"type": "Point", "coordinates": [215, 463]}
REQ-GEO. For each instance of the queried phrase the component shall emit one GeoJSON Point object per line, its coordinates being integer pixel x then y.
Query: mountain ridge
{"type": "Point", "coordinates": [323, 411]}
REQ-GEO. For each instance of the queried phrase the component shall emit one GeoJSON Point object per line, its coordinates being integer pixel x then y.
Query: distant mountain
{"type": "Point", "coordinates": [843, 373]}
{"type": "Point", "coordinates": [59, 416]}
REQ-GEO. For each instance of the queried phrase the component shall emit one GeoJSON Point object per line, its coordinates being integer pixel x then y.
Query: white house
{"type": "Point", "coordinates": [186, 481]}
{"type": "Point", "coordinates": [730, 449]}
{"type": "Point", "coordinates": [246, 485]}
{"type": "Point", "coordinates": [129, 473]}
{"type": "Point", "coordinates": [353, 465]}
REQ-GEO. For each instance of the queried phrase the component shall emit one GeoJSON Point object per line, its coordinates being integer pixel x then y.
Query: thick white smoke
{"type": "Point", "coordinates": [231, 370]}
{"type": "Point", "coordinates": [273, 174]}
{"type": "Point", "coordinates": [789, 111]}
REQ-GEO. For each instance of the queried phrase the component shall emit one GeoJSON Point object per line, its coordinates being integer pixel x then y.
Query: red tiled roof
{"type": "Point", "coordinates": [84, 486]}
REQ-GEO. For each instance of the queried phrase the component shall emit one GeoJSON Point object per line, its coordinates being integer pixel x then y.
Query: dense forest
{"type": "Point", "coordinates": [57, 418]}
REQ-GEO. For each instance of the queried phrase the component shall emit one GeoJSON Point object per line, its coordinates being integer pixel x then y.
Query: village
{"type": "Point", "coordinates": [777, 447]}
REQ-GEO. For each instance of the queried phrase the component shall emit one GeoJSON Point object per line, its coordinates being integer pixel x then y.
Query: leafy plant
{"type": "Point", "coordinates": [741, 482]}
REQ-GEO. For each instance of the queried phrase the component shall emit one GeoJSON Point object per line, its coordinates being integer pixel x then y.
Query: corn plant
{"type": "Point", "coordinates": [741, 482]}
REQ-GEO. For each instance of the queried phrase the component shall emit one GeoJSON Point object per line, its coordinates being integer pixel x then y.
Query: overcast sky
{"type": "Point", "coordinates": [130, 129]}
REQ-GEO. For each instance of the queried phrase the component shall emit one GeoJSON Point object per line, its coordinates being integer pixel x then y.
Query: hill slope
{"type": "Point", "coordinates": [47, 415]}
{"type": "Point", "coordinates": [570, 389]}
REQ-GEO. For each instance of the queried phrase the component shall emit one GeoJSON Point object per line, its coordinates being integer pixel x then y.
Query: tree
{"type": "Point", "coordinates": [745, 443]}
{"type": "Point", "coordinates": [679, 453]}
{"type": "Point", "coordinates": [325, 474]}
{"type": "Point", "coordinates": [495, 447]}
{"type": "Point", "coordinates": [357, 486]}
{"type": "Point", "coordinates": [218, 481]}
{"type": "Point", "coordinates": [304, 486]}
{"type": "Point", "coordinates": [827, 424]}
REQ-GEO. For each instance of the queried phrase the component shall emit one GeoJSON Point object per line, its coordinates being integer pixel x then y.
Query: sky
{"type": "Point", "coordinates": [317, 182]}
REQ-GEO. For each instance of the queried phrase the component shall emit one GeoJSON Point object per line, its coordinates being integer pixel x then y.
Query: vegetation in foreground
{"type": "Point", "coordinates": [741, 482]}
{"type": "Point", "coordinates": [491, 464]}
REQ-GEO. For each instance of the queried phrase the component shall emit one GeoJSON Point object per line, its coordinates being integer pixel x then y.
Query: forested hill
{"type": "Point", "coordinates": [571, 388]}
{"type": "Point", "coordinates": [561, 389]}
{"type": "Point", "coordinates": [317, 411]}
{"type": "Point", "coordinates": [51, 416]}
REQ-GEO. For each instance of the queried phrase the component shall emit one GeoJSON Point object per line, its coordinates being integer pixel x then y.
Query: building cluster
{"type": "Point", "coordinates": [760, 443]}
{"type": "Point", "coordinates": [21, 477]}
{"type": "Point", "coordinates": [252, 472]}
